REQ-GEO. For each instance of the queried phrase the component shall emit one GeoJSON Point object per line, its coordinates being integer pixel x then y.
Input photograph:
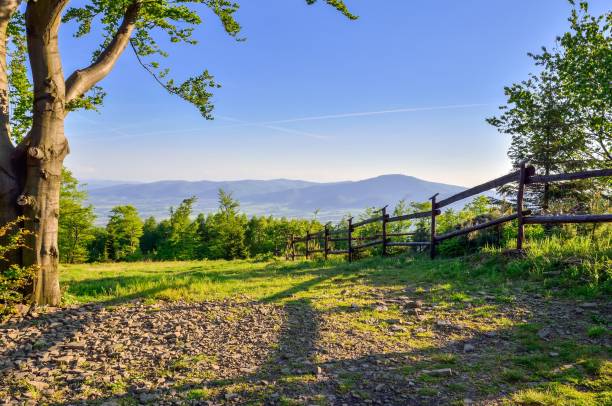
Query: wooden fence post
{"type": "Point", "coordinates": [307, 244]}
{"type": "Point", "coordinates": [385, 217]}
{"type": "Point", "coordinates": [292, 247]}
{"type": "Point", "coordinates": [520, 235]}
{"type": "Point", "coordinates": [350, 239]}
{"type": "Point", "coordinates": [432, 246]}
{"type": "Point", "coordinates": [326, 243]}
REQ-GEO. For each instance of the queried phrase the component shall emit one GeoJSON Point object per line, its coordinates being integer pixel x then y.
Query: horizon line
{"type": "Point", "coordinates": [84, 180]}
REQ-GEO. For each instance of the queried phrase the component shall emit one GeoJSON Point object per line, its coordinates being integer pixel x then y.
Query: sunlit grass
{"type": "Point", "coordinates": [474, 292]}
{"type": "Point", "coordinates": [560, 395]}
{"type": "Point", "coordinates": [584, 262]}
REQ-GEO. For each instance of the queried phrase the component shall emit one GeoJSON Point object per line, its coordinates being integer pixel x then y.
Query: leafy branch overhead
{"type": "Point", "coordinates": [563, 113]}
{"type": "Point", "coordinates": [21, 95]}
{"type": "Point", "coordinates": [155, 25]}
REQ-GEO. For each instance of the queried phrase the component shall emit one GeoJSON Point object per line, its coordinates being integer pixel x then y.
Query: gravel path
{"type": "Point", "coordinates": [278, 354]}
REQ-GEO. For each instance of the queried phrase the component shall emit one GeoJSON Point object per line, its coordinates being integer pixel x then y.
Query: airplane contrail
{"type": "Point", "coordinates": [274, 127]}
{"type": "Point", "coordinates": [272, 124]}
{"type": "Point", "coordinates": [356, 114]}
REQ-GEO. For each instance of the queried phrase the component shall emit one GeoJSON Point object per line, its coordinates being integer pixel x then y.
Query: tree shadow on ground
{"type": "Point", "coordinates": [312, 364]}
{"type": "Point", "coordinates": [139, 285]}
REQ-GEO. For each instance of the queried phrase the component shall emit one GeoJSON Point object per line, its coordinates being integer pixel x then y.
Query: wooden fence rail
{"type": "Point", "coordinates": [523, 177]}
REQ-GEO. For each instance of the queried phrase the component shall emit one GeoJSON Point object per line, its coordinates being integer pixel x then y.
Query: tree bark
{"type": "Point", "coordinates": [30, 173]}
{"type": "Point", "coordinates": [46, 148]}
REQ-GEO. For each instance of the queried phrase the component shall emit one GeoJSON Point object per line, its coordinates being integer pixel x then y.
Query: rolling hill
{"type": "Point", "coordinates": [278, 197]}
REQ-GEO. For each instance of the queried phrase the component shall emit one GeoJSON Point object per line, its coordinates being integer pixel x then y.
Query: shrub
{"type": "Point", "coordinates": [14, 279]}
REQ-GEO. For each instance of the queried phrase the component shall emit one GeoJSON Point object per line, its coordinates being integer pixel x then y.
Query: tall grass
{"type": "Point", "coordinates": [575, 262]}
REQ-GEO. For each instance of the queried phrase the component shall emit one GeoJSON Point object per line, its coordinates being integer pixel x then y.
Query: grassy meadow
{"type": "Point", "coordinates": [486, 317]}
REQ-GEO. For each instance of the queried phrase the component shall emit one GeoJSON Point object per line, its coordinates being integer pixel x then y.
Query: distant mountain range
{"type": "Point", "coordinates": [278, 197]}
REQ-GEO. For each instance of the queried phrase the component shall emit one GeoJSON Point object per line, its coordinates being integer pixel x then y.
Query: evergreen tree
{"type": "Point", "coordinates": [226, 230]}
{"type": "Point", "coordinates": [181, 239]}
{"type": "Point", "coordinates": [124, 230]}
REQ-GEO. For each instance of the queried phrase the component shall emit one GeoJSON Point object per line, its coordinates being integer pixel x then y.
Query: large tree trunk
{"type": "Point", "coordinates": [46, 148]}
{"type": "Point", "coordinates": [34, 166]}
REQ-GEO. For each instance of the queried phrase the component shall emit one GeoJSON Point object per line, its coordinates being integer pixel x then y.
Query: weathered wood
{"type": "Point", "coordinates": [366, 245]}
{"type": "Point", "coordinates": [408, 243]}
{"type": "Point", "coordinates": [288, 248]}
{"type": "Point", "coordinates": [519, 206]}
{"type": "Point", "coordinates": [577, 218]}
{"type": "Point", "coordinates": [385, 218]}
{"type": "Point", "coordinates": [481, 226]}
{"type": "Point", "coordinates": [292, 248]}
{"type": "Point", "coordinates": [326, 243]}
{"type": "Point", "coordinates": [367, 237]}
{"type": "Point", "coordinates": [368, 221]}
{"type": "Point", "coordinates": [374, 236]}
{"type": "Point", "coordinates": [400, 234]}
{"type": "Point", "coordinates": [412, 216]}
{"type": "Point", "coordinates": [511, 177]}
{"type": "Point", "coordinates": [350, 240]}
{"type": "Point", "coordinates": [334, 252]}
{"type": "Point", "coordinates": [525, 175]}
{"type": "Point", "coordinates": [432, 246]}
{"type": "Point", "coordinates": [569, 176]}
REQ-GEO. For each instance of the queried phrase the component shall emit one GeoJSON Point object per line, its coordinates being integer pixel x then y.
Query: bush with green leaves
{"type": "Point", "coordinates": [14, 279]}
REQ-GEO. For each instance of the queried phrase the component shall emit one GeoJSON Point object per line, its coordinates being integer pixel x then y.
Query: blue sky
{"type": "Point", "coordinates": [311, 95]}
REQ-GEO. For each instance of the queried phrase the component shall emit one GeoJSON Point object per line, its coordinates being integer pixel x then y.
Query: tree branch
{"type": "Point", "coordinates": [149, 70]}
{"type": "Point", "coordinates": [83, 80]}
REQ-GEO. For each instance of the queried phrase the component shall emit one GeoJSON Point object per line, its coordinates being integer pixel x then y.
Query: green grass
{"type": "Point", "coordinates": [560, 395]}
{"type": "Point", "coordinates": [597, 331]}
{"type": "Point", "coordinates": [271, 281]}
{"type": "Point", "coordinates": [580, 265]}
{"type": "Point", "coordinates": [199, 394]}
{"type": "Point", "coordinates": [477, 291]}
{"type": "Point", "coordinates": [580, 258]}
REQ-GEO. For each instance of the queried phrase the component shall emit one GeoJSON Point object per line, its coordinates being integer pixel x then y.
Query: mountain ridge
{"type": "Point", "coordinates": [277, 197]}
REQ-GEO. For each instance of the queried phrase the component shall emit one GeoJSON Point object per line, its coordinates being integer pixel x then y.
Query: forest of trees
{"type": "Point", "coordinates": [229, 234]}
{"type": "Point", "coordinates": [224, 234]}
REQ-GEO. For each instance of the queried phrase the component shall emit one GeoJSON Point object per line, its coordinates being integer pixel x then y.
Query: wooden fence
{"type": "Point", "coordinates": [524, 176]}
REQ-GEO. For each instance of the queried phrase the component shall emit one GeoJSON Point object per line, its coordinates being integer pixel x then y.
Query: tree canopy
{"type": "Point", "coordinates": [149, 29]}
{"type": "Point", "coordinates": [560, 118]}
